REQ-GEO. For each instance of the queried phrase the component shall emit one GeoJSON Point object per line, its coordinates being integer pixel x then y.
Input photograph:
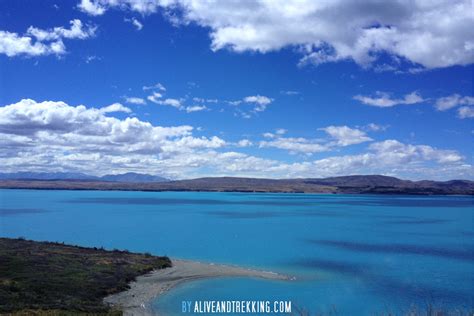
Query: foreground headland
{"type": "Point", "coordinates": [136, 300]}
{"type": "Point", "coordinates": [49, 278]}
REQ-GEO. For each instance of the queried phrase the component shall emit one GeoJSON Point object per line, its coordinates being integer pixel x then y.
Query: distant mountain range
{"type": "Point", "coordinates": [358, 184]}
{"type": "Point", "coordinates": [133, 177]}
{"type": "Point", "coordinates": [72, 176]}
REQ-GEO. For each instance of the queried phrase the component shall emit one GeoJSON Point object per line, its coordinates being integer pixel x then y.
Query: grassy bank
{"type": "Point", "coordinates": [53, 278]}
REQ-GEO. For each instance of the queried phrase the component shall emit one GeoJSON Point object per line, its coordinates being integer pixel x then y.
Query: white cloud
{"type": "Point", "coordinates": [383, 99]}
{"type": "Point", "coordinates": [388, 157]}
{"type": "Point", "coordinates": [176, 103]}
{"type": "Point", "coordinates": [54, 136]}
{"type": "Point", "coordinates": [375, 127]}
{"type": "Point", "coordinates": [345, 136]}
{"type": "Point", "coordinates": [196, 108]}
{"type": "Point", "coordinates": [77, 31]}
{"type": "Point", "coordinates": [135, 100]}
{"type": "Point", "coordinates": [11, 44]}
{"type": "Point", "coordinates": [259, 103]}
{"type": "Point", "coordinates": [202, 100]}
{"type": "Point", "coordinates": [446, 103]}
{"type": "Point", "coordinates": [98, 7]}
{"type": "Point", "coordinates": [29, 117]}
{"type": "Point", "coordinates": [135, 22]}
{"type": "Point", "coordinates": [341, 136]}
{"type": "Point", "coordinates": [432, 34]}
{"type": "Point", "coordinates": [91, 58]}
{"type": "Point", "coordinates": [289, 92]}
{"type": "Point", "coordinates": [171, 102]}
{"type": "Point", "coordinates": [295, 145]}
{"type": "Point", "coordinates": [466, 112]}
{"type": "Point", "coordinates": [258, 99]}
{"type": "Point", "coordinates": [236, 102]}
{"type": "Point", "coordinates": [157, 86]}
{"type": "Point", "coordinates": [281, 131]}
{"type": "Point", "coordinates": [392, 151]}
{"type": "Point", "coordinates": [37, 42]}
{"type": "Point", "coordinates": [155, 97]}
{"type": "Point", "coordinates": [465, 104]}
{"type": "Point", "coordinates": [194, 142]}
{"type": "Point", "coordinates": [91, 7]}
{"type": "Point", "coordinates": [244, 143]}
{"type": "Point", "coordinates": [115, 107]}
{"type": "Point", "coordinates": [392, 157]}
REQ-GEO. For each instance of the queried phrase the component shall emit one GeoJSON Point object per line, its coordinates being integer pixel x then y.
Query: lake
{"type": "Point", "coordinates": [350, 254]}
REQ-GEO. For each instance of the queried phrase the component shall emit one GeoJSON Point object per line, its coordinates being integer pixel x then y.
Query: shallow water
{"type": "Point", "coordinates": [354, 254]}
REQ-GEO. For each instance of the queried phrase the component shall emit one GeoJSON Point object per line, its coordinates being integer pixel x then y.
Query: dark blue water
{"type": "Point", "coordinates": [353, 254]}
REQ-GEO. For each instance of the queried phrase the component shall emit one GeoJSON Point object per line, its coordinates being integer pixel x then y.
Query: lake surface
{"type": "Point", "coordinates": [354, 254]}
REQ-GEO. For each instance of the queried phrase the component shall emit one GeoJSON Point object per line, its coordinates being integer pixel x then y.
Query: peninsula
{"type": "Point", "coordinates": [50, 278]}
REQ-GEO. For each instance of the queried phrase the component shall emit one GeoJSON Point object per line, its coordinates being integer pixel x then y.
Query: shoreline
{"type": "Point", "coordinates": [245, 191]}
{"type": "Point", "coordinates": [137, 299]}
{"type": "Point", "coordinates": [362, 184]}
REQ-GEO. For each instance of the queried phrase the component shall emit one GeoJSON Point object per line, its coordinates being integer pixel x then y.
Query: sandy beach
{"type": "Point", "coordinates": [136, 300]}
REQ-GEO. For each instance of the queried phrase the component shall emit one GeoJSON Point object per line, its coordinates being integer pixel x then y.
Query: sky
{"type": "Point", "coordinates": [255, 88]}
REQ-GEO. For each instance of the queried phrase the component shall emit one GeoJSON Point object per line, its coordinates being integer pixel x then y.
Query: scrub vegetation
{"type": "Point", "coordinates": [47, 278]}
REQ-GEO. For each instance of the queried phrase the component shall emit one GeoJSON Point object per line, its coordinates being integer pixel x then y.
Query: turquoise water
{"type": "Point", "coordinates": [354, 254]}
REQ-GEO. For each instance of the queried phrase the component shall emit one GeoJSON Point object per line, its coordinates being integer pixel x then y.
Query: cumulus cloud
{"type": "Point", "coordinates": [389, 157]}
{"type": "Point", "coordinates": [91, 58]}
{"type": "Point", "coordinates": [375, 127]}
{"type": "Point", "coordinates": [203, 100]}
{"type": "Point", "coordinates": [98, 7]}
{"type": "Point", "coordinates": [115, 107]}
{"type": "Point", "coordinates": [392, 157]}
{"type": "Point", "coordinates": [171, 102]}
{"type": "Point", "coordinates": [37, 42]}
{"type": "Point", "coordinates": [55, 136]}
{"type": "Point", "coordinates": [155, 97]}
{"type": "Point", "coordinates": [465, 104]}
{"type": "Point", "coordinates": [135, 22]}
{"type": "Point", "coordinates": [180, 104]}
{"type": "Point", "coordinates": [466, 112]}
{"type": "Point", "coordinates": [77, 31]}
{"type": "Point", "coordinates": [446, 103]}
{"type": "Point", "coordinates": [340, 136]}
{"type": "Point", "coordinates": [429, 34]}
{"type": "Point", "coordinates": [28, 117]}
{"type": "Point", "coordinates": [396, 152]}
{"type": "Point", "coordinates": [280, 131]}
{"type": "Point", "coordinates": [244, 143]}
{"type": "Point", "coordinates": [295, 144]}
{"type": "Point", "coordinates": [196, 108]}
{"type": "Point", "coordinates": [157, 86]}
{"type": "Point", "coordinates": [258, 99]}
{"type": "Point", "coordinates": [383, 99]}
{"type": "Point", "coordinates": [345, 136]}
{"type": "Point", "coordinates": [259, 103]}
{"type": "Point", "coordinates": [91, 7]}
{"type": "Point", "coordinates": [135, 100]}
{"type": "Point", "coordinates": [290, 92]}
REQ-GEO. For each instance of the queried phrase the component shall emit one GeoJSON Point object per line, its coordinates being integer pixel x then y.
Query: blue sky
{"type": "Point", "coordinates": [252, 88]}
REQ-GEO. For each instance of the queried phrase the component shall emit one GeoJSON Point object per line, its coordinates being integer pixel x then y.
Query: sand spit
{"type": "Point", "coordinates": [136, 300]}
